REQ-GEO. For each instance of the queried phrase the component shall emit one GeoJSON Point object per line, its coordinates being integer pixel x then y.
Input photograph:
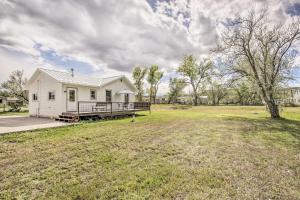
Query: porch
{"type": "Point", "coordinates": [99, 110]}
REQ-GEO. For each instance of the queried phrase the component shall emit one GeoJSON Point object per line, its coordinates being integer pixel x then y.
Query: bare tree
{"type": "Point", "coordinates": [261, 52]}
{"type": "Point", "coordinates": [195, 73]}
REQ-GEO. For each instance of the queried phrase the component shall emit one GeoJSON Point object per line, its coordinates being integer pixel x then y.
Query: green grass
{"type": "Point", "coordinates": [23, 112]}
{"type": "Point", "coordinates": [174, 153]}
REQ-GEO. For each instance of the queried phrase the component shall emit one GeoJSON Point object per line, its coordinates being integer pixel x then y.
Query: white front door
{"type": "Point", "coordinates": [71, 99]}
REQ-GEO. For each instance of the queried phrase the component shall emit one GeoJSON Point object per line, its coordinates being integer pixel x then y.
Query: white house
{"type": "Point", "coordinates": [291, 95]}
{"type": "Point", "coordinates": [53, 92]}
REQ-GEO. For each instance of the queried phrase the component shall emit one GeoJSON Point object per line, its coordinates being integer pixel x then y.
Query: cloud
{"type": "Point", "coordinates": [11, 60]}
{"type": "Point", "coordinates": [110, 37]}
{"type": "Point", "coordinates": [101, 33]}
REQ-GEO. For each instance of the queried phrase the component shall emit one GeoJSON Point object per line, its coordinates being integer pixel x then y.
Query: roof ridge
{"type": "Point", "coordinates": [84, 75]}
{"type": "Point", "coordinates": [55, 70]}
{"type": "Point", "coordinates": [69, 73]}
{"type": "Point", "coordinates": [112, 76]}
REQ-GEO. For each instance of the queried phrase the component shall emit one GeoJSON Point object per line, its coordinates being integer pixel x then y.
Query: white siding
{"type": "Point", "coordinates": [115, 87]}
{"type": "Point", "coordinates": [43, 84]}
{"type": "Point", "coordinates": [83, 93]}
{"type": "Point", "coordinates": [297, 97]}
{"type": "Point", "coordinates": [43, 107]}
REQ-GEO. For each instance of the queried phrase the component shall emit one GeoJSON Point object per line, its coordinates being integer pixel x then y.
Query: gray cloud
{"type": "Point", "coordinates": [116, 35]}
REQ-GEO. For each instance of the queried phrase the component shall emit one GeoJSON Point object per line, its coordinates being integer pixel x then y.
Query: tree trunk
{"type": "Point", "coordinates": [196, 95]}
{"type": "Point", "coordinates": [154, 96]}
{"type": "Point", "coordinates": [273, 108]}
{"type": "Point", "coordinates": [140, 97]}
{"type": "Point", "coordinates": [196, 100]}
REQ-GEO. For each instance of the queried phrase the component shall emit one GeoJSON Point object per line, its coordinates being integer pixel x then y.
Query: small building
{"type": "Point", "coordinates": [53, 92]}
{"type": "Point", "coordinates": [290, 95]}
{"type": "Point", "coordinates": [161, 99]}
{"type": "Point", "coordinates": [3, 100]}
{"type": "Point", "coordinates": [188, 99]}
{"type": "Point", "coordinates": [185, 99]}
{"type": "Point", "coordinates": [7, 102]}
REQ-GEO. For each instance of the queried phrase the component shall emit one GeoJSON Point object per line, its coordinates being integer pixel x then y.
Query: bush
{"type": "Point", "coordinates": [15, 107]}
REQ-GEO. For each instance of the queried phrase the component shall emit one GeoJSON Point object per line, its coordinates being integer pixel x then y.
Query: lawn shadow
{"type": "Point", "coordinates": [180, 107]}
{"type": "Point", "coordinates": [267, 124]}
{"type": "Point", "coordinates": [109, 118]}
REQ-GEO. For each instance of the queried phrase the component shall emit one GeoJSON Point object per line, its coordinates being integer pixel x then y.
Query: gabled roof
{"type": "Point", "coordinates": [66, 77]}
{"type": "Point", "coordinates": [77, 79]}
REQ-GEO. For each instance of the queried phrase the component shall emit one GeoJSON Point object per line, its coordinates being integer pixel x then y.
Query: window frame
{"type": "Point", "coordinates": [69, 95]}
{"type": "Point", "coordinates": [106, 97]}
{"type": "Point", "coordinates": [34, 97]}
{"type": "Point", "coordinates": [53, 95]}
{"type": "Point", "coordinates": [126, 98]}
{"type": "Point", "coordinates": [95, 93]}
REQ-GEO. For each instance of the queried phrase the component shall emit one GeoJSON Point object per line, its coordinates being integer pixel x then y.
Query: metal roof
{"type": "Point", "coordinates": [76, 79]}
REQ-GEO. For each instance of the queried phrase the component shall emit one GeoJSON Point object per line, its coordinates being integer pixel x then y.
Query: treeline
{"type": "Point", "coordinates": [257, 60]}
{"type": "Point", "coordinates": [209, 85]}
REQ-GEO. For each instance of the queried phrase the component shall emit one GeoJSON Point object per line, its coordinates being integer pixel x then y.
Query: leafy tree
{"type": "Point", "coordinates": [176, 87]}
{"type": "Point", "coordinates": [247, 93]}
{"type": "Point", "coordinates": [195, 73]}
{"type": "Point", "coordinates": [218, 85]}
{"type": "Point", "coordinates": [4, 93]}
{"type": "Point", "coordinates": [15, 85]}
{"type": "Point", "coordinates": [154, 77]}
{"type": "Point", "coordinates": [216, 92]}
{"type": "Point", "coordinates": [266, 52]}
{"type": "Point", "coordinates": [138, 75]}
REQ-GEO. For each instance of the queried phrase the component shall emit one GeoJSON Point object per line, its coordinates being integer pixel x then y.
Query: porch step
{"type": "Point", "coordinates": [70, 113]}
{"type": "Point", "coordinates": [68, 117]}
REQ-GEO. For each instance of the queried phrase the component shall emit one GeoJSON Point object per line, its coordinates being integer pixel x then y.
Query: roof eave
{"type": "Point", "coordinates": [79, 84]}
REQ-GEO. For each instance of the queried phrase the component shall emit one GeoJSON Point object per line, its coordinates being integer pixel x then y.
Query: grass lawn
{"type": "Point", "coordinates": [23, 112]}
{"type": "Point", "coordinates": [194, 153]}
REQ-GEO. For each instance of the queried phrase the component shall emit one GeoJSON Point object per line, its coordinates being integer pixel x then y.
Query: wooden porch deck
{"type": "Point", "coordinates": [100, 110]}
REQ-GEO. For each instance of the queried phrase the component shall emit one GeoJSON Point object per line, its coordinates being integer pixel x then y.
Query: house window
{"type": "Point", "coordinates": [51, 95]}
{"type": "Point", "coordinates": [71, 95]}
{"type": "Point", "coordinates": [1, 101]}
{"type": "Point", "coordinates": [108, 95]}
{"type": "Point", "coordinates": [93, 94]}
{"type": "Point", "coordinates": [126, 98]}
{"type": "Point", "coordinates": [34, 97]}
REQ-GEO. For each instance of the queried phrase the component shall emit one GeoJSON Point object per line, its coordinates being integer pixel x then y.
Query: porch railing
{"type": "Point", "coordinates": [110, 107]}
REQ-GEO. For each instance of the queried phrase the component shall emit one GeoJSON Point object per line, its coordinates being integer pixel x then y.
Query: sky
{"type": "Point", "coordinates": [107, 38]}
